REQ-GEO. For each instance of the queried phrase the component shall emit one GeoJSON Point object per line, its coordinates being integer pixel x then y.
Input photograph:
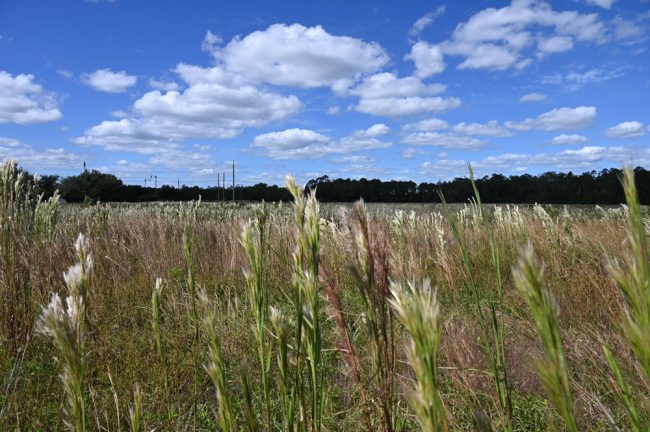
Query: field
{"type": "Point", "coordinates": [295, 316]}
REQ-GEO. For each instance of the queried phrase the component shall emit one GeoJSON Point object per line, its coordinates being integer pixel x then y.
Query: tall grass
{"type": "Point", "coordinates": [417, 309]}
{"type": "Point", "coordinates": [254, 241]}
{"type": "Point", "coordinates": [216, 368]}
{"type": "Point", "coordinates": [633, 280]}
{"type": "Point", "coordinates": [24, 217]}
{"type": "Point", "coordinates": [65, 326]}
{"type": "Point", "coordinates": [553, 368]}
{"type": "Point", "coordinates": [490, 322]}
{"type": "Point", "coordinates": [312, 335]}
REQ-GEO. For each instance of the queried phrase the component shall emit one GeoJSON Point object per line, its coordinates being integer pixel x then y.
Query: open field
{"type": "Point", "coordinates": [294, 317]}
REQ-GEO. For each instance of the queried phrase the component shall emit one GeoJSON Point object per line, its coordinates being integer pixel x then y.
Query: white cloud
{"type": "Point", "coordinates": [485, 56]}
{"type": "Point", "coordinates": [373, 131]}
{"type": "Point", "coordinates": [299, 56]}
{"type": "Point", "coordinates": [106, 80]}
{"type": "Point", "coordinates": [591, 76]}
{"type": "Point", "coordinates": [23, 101]}
{"type": "Point", "coordinates": [428, 59]}
{"type": "Point", "coordinates": [183, 160]}
{"type": "Point", "coordinates": [569, 139]}
{"type": "Point", "coordinates": [65, 73]}
{"type": "Point", "coordinates": [449, 141]}
{"type": "Point", "coordinates": [333, 110]}
{"type": "Point", "coordinates": [491, 128]}
{"type": "Point", "coordinates": [385, 94]}
{"type": "Point", "coordinates": [605, 4]}
{"type": "Point", "coordinates": [626, 29]}
{"type": "Point", "coordinates": [628, 129]}
{"type": "Point", "coordinates": [308, 144]}
{"type": "Point", "coordinates": [427, 125]}
{"type": "Point", "coordinates": [425, 21]}
{"type": "Point", "coordinates": [354, 159]}
{"type": "Point", "coordinates": [585, 158]}
{"type": "Point", "coordinates": [555, 44]}
{"type": "Point", "coordinates": [558, 119]}
{"type": "Point", "coordinates": [163, 85]}
{"type": "Point", "coordinates": [500, 39]}
{"type": "Point", "coordinates": [119, 114]}
{"type": "Point", "coordinates": [411, 152]}
{"type": "Point", "coordinates": [136, 167]}
{"type": "Point", "coordinates": [216, 104]}
{"type": "Point", "coordinates": [533, 97]}
{"type": "Point", "coordinates": [398, 107]}
{"type": "Point", "coordinates": [575, 80]}
{"type": "Point", "coordinates": [388, 85]}
{"type": "Point", "coordinates": [41, 159]}
{"type": "Point", "coordinates": [210, 42]}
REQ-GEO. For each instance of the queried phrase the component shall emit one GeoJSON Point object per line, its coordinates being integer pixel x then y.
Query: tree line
{"type": "Point", "coordinates": [602, 187]}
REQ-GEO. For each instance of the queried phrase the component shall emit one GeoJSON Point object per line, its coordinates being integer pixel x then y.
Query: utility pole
{"type": "Point", "coordinates": [84, 166]}
{"type": "Point", "coordinates": [179, 183]}
{"type": "Point", "coordinates": [233, 180]}
{"type": "Point", "coordinates": [145, 183]}
{"type": "Point", "coordinates": [155, 181]}
{"type": "Point", "coordinates": [218, 179]}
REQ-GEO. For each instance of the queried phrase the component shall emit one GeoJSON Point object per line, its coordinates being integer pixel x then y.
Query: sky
{"type": "Point", "coordinates": [399, 89]}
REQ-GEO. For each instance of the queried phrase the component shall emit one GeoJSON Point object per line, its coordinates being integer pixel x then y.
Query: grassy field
{"type": "Point", "coordinates": [295, 316]}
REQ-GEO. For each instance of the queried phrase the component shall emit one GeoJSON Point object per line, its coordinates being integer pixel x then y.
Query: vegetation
{"type": "Point", "coordinates": [308, 317]}
{"type": "Point", "coordinates": [548, 188]}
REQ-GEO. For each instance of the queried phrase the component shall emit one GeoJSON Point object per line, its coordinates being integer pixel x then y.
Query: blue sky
{"type": "Point", "coordinates": [405, 89]}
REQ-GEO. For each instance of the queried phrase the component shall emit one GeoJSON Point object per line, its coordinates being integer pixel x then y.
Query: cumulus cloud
{"type": "Point", "coordinates": [388, 85]}
{"type": "Point", "coordinates": [385, 94]}
{"type": "Point", "coordinates": [399, 107]}
{"type": "Point", "coordinates": [555, 44]}
{"type": "Point", "coordinates": [37, 159]}
{"type": "Point", "coordinates": [428, 59]}
{"type": "Point", "coordinates": [23, 101]}
{"type": "Point", "coordinates": [605, 4]}
{"type": "Point", "coordinates": [299, 56]}
{"type": "Point", "coordinates": [625, 130]}
{"type": "Point", "coordinates": [354, 159]}
{"type": "Point", "coordinates": [533, 97]}
{"type": "Point", "coordinates": [558, 119]}
{"type": "Point", "coordinates": [184, 160]}
{"type": "Point", "coordinates": [491, 128]}
{"type": "Point", "coordinates": [426, 125]}
{"type": "Point", "coordinates": [500, 39]}
{"type": "Point", "coordinates": [216, 104]}
{"type": "Point", "coordinates": [106, 80]}
{"type": "Point", "coordinates": [411, 152]}
{"type": "Point", "coordinates": [373, 131]}
{"type": "Point", "coordinates": [308, 144]}
{"type": "Point", "coordinates": [585, 158]}
{"type": "Point", "coordinates": [443, 140]}
{"type": "Point", "coordinates": [569, 139]}
{"type": "Point", "coordinates": [163, 85]}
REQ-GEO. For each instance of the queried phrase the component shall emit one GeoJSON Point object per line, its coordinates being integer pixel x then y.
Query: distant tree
{"type": "Point", "coordinates": [47, 185]}
{"type": "Point", "coordinates": [593, 187]}
{"type": "Point", "coordinates": [94, 184]}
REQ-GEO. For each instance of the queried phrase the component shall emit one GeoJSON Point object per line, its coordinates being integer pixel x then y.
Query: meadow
{"type": "Point", "coordinates": [297, 316]}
